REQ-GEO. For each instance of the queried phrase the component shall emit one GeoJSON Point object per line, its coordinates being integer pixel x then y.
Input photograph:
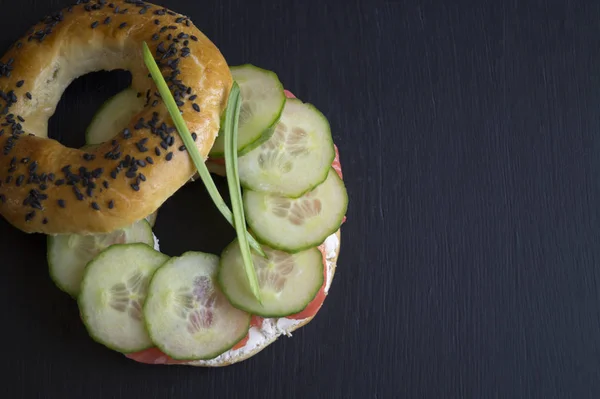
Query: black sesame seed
{"type": "Point", "coordinates": [194, 38]}
{"type": "Point", "coordinates": [192, 98]}
{"type": "Point", "coordinates": [194, 136]}
{"type": "Point", "coordinates": [33, 167]}
{"type": "Point", "coordinates": [8, 179]}
{"type": "Point", "coordinates": [169, 37]}
{"type": "Point", "coordinates": [19, 117]}
{"type": "Point", "coordinates": [62, 203]}
{"type": "Point", "coordinates": [124, 24]}
{"type": "Point", "coordinates": [2, 198]}
{"type": "Point", "coordinates": [163, 29]}
{"type": "Point", "coordinates": [20, 180]}
{"type": "Point", "coordinates": [60, 182]}
{"type": "Point", "coordinates": [142, 177]}
{"type": "Point", "coordinates": [170, 140]}
{"type": "Point", "coordinates": [43, 187]}
{"type": "Point", "coordinates": [130, 174]}
{"type": "Point", "coordinates": [196, 107]}
{"type": "Point", "coordinates": [164, 145]}
{"type": "Point", "coordinates": [94, 25]}
{"type": "Point", "coordinates": [155, 36]}
{"type": "Point", "coordinates": [1, 132]}
{"type": "Point", "coordinates": [20, 83]}
{"type": "Point", "coordinates": [78, 194]}
{"type": "Point", "coordinates": [169, 156]}
{"type": "Point", "coordinates": [157, 151]}
{"type": "Point", "coordinates": [182, 148]}
{"type": "Point", "coordinates": [89, 157]}
{"type": "Point", "coordinates": [154, 103]}
{"type": "Point", "coordinates": [156, 22]}
{"type": "Point", "coordinates": [29, 217]}
{"type": "Point", "coordinates": [111, 204]}
{"type": "Point", "coordinates": [45, 221]}
{"type": "Point", "coordinates": [135, 187]}
{"type": "Point", "coordinates": [107, 21]}
{"type": "Point", "coordinates": [113, 174]}
{"type": "Point", "coordinates": [180, 20]}
{"type": "Point", "coordinates": [141, 163]}
{"type": "Point", "coordinates": [95, 206]}
{"type": "Point", "coordinates": [28, 95]}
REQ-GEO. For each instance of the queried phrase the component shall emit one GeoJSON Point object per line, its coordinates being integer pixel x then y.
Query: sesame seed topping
{"type": "Point", "coordinates": [169, 156]}
{"type": "Point", "coordinates": [20, 83]}
{"type": "Point", "coordinates": [95, 206]}
{"type": "Point", "coordinates": [124, 24]}
{"type": "Point", "coordinates": [107, 21]}
{"type": "Point", "coordinates": [142, 177]}
{"type": "Point", "coordinates": [45, 221]}
{"type": "Point", "coordinates": [105, 184]}
{"type": "Point", "coordinates": [62, 203]}
{"type": "Point", "coordinates": [111, 204]}
{"type": "Point", "coordinates": [89, 157]}
{"type": "Point", "coordinates": [182, 148]}
{"type": "Point", "coordinates": [60, 182]}
{"type": "Point", "coordinates": [28, 95]}
{"type": "Point", "coordinates": [135, 187]}
{"type": "Point", "coordinates": [94, 24]}
{"type": "Point", "coordinates": [194, 136]}
{"type": "Point", "coordinates": [2, 198]}
{"type": "Point", "coordinates": [29, 217]}
{"type": "Point", "coordinates": [194, 38]}
{"type": "Point", "coordinates": [155, 36]}
{"type": "Point", "coordinates": [196, 107]}
{"type": "Point", "coordinates": [193, 97]}
{"type": "Point", "coordinates": [20, 180]}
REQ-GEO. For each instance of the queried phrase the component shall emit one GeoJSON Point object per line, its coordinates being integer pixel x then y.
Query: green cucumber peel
{"type": "Point", "coordinates": [230, 128]}
{"type": "Point", "coordinates": [174, 111]}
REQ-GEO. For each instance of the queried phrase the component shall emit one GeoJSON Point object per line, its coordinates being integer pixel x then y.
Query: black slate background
{"type": "Point", "coordinates": [469, 267]}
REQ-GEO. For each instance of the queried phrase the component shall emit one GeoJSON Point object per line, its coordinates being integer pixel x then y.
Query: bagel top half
{"type": "Point", "coordinates": [48, 188]}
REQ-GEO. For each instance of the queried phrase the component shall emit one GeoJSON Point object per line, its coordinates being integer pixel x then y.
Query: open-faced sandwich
{"type": "Point", "coordinates": [187, 114]}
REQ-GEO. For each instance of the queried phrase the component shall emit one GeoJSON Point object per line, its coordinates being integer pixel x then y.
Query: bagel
{"type": "Point", "coordinates": [67, 193]}
{"type": "Point", "coordinates": [52, 189]}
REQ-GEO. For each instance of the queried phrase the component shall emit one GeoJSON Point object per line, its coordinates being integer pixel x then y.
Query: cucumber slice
{"type": "Point", "coordinates": [69, 254]}
{"type": "Point", "coordinates": [113, 116]}
{"type": "Point", "coordinates": [263, 99]}
{"type": "Point", "coordinates": [296, 158]}
{"type": "Point", "coordinates": [112, 296]}
{"type": "Point", "coordinates": [295, 224]}
{"type": "Point", "coordinates": [287, 282]}
{"type": "Point", "coordinates": [186, 314]}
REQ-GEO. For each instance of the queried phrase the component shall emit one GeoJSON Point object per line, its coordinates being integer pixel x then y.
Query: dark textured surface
{"type": "Point", "coordinates": [469, 269]}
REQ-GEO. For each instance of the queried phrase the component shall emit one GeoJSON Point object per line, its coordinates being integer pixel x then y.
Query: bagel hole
{"type": "Point", "coordinates": [80, 102]}
{"type": "Point", "coordinates": [189, 221]}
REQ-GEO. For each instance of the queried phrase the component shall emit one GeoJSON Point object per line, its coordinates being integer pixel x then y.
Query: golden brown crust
{"type": "Point", "coordinates": [76, 42]}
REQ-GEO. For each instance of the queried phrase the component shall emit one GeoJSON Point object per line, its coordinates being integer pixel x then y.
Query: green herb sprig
{"type": "Point", "coordinates": [167, 97]}
{"type": "Point", "coordinates": [230, 128]}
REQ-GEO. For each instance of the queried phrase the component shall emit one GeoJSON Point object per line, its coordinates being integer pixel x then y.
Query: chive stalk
{"type": "Point", "coordinates": [167, 97]}
{"type": "Point", "coordinates": [230, 128]}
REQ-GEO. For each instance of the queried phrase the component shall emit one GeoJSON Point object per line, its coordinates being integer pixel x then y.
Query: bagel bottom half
{"type": "Point", "coordinates": [260, 338]}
